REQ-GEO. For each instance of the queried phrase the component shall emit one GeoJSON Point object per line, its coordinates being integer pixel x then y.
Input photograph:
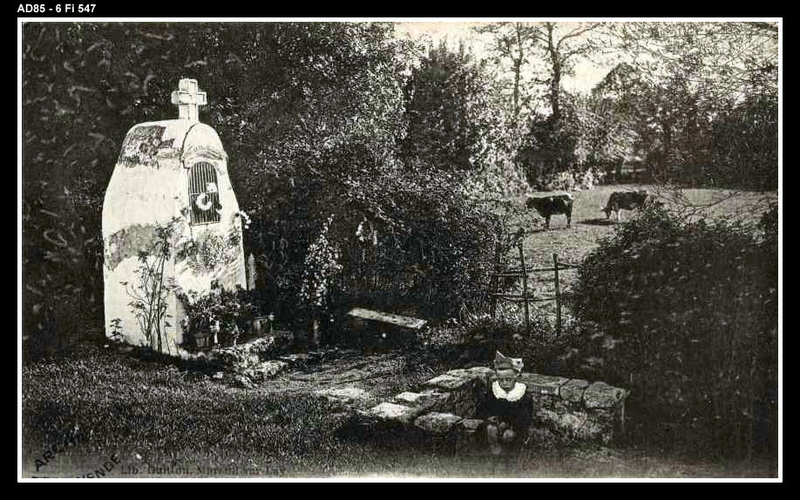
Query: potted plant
{"type": "Point", "coordinates": [217, 317]}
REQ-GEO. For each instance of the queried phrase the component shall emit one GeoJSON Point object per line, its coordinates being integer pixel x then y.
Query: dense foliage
{"type": "Point", "coordinates": [219, 315]}
{"type": "Point", "coordinates": [311, 115]}
{"type": "Point", "coordinates": [684, 314]}
{"type": "Point", "coordinates": [452, 125]}
{"type": "Point", "coordinates": [702, 104]}
{"type": "Point", "coordinates": [695, 103]}
{"type": "Point", "coordinates": [746, 145]}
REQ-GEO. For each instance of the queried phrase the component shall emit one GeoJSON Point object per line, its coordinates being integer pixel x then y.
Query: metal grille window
{"type": "Point", "coordinates": [204, 193]}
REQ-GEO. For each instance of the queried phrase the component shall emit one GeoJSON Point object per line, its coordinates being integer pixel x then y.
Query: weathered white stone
{"type": "Point", "coordinates": [572, 422]}
{"type": "Point", "coordinates": [394, 319]}
{"type": "Point", "coordinates": [263, 371]}
{"type": "Point", "coordinates": [272, 367]}
{"type": "Point", "coordinates": [295, 359]}
{"type": "Point", "coordinates": [435, 400]}
{"type": "Point", "coordinates": [260, 346]}
{"type": "Point", "coordinates": [471, 424]}
{"type": "Point", "coordinates": [344, 392]}
{"type": "Point", "coordinates": [438, 423]}
{"type": "Point", "coordinates": [477, 373]}
{"type": "Point", "coordinates": [235, 358]}
{"type": "Point", "coordinates": [149, 187]}
{"type": "Point", "coordinates": [244, 382]}
{"type": "Point", "coordinates": [347, 395]}
{"type": "Point", "coordinates": [555, 408]}
{"type": "Point", "coordinates": [573, 390]}
{"type": "Point", "coordinates": [543, 384]}
{"type": "Point", "coordinates": [409, 398]}
{"type": "Point", "coordinates": [395, 412]}
{"type": "Point", "coordinates": [448, 382]}
{"type": "Point", "coordinates": [602, 395]}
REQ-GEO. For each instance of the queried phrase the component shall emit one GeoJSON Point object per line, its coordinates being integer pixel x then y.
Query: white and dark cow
{"type": "Point", "coordinates": [625, 200]}
{"type": "Point", "coordinates": [547, 206]}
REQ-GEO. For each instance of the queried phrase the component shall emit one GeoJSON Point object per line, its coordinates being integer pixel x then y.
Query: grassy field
{"type": "Point", "coordinates": [589, 223]}
{"type": "Point", "coordinates": [130, 418]}
{"type": "Point", "coordinates": [99, 410]}
{"type": "Point", "coordinates": [589, 226]}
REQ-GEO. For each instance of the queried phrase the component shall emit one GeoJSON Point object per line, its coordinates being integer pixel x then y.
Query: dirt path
{"type": "Point", "coordinates": [377, 375]}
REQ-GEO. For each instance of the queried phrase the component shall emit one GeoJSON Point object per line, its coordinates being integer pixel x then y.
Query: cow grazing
{"type": "Point", "coordinates": [627, 200]}
{"type": "Point", "coordinates": [547, 206]}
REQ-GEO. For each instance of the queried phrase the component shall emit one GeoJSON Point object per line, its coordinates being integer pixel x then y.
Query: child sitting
{"type": "Point", "coordinates": [508, 407]}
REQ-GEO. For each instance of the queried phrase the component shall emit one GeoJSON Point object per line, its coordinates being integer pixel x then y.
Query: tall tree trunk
{"type": "Point", "coordinates": [667, 126]}
{"type": "Point", "coordinates": [517, 74]}
{"type": "Point", "coordinates": [555, 83]}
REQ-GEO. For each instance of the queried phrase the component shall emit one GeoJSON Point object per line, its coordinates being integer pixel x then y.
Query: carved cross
{"type": "Point", "coordinates": [189, 99]}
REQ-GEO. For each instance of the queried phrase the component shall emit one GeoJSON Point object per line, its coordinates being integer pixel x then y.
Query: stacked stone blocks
{"type": "Point", "coordinates": [569, 408]}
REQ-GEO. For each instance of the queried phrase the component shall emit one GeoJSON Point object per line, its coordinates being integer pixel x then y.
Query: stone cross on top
{"type": "Point", "coordinates": [189, 99]}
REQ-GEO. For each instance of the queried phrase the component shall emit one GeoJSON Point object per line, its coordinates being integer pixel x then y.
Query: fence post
{"type": "Point", "coordinates": [558, 297]}
{"type": "Point", "coordinates": [524, 288]}
{"type": "Point", "coordinates": [495, 278]}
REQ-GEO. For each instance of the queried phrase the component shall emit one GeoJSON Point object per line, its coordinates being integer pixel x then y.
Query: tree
{"type": "Point", "coordinates": [451, 124]}
{"type": "Point", "coordinates": [533, 49]}
{"type": "Point", "coordinates": [514, 42]}
{"type": "Point", "coordinates": [292, 102]}
{"type": "Point", "coordinates": [746, 145]}
{"type": "Point", "coordinates": [561, 44]}
{"type": "Point", "coordinates": [314, 113]}
{"type": "Point", "coordinates": [725, 54]}
{"type": "Point", "coordinates": [540, 54]}
{"type": "Point", "coordinates": [669, 119]}
{"type": "Point", "coordinates": [685, 86]}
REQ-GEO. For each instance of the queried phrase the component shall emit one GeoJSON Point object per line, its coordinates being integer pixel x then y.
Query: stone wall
{"type": "Point", "coordinates": [251, 363]}
{"type": "Point", "coordinates": [568, 408]}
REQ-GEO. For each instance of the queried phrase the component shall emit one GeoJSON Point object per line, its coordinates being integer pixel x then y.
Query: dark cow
{"type": "Point", "coordinates": [628, 200]}
{"type": "Point", "coordinates": [548, 206]}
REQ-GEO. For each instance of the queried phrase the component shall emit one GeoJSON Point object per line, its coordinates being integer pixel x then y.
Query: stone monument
{"type": "Point", "coordinates": [170, 184]}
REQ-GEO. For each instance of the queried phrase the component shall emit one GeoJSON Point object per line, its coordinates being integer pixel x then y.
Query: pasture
{"type": "Point", "coordinates": [589, 226]}
{"type": "Point", "coordinates": [589, 223]}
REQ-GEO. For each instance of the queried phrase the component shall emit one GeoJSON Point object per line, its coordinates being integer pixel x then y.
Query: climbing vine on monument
{"type": "Point", "coordinates": [208, 250]}
{"type": "Point", "coordinates": [149, 294]}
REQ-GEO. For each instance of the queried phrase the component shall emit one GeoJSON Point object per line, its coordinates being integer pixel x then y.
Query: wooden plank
{"type": "Point", "coordinates": [531, 296]}
{"type": "Point", "coordinates": [520, 298]}
{"type": "Point", "coordinates": [558, 297]}
{"type": "Point", "coordinates": [394, 319]}
{"type": "Point", "coordinates": [494, 277]}
{"type": "Point", "coordinates": [518, 274]}
{"type": "Point", "coordinates": [524, 288]}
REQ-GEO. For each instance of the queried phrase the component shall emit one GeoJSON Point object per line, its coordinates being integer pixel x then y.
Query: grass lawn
{"type": "Point", "coordinates": [100, 410]}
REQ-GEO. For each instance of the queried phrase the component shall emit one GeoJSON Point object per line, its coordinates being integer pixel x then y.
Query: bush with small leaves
{"type": "Point", "coordinates": [684, 313]}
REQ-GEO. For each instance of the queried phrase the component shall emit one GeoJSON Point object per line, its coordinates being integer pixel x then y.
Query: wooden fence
{"type": "Point", "coordinates": [526, 297]}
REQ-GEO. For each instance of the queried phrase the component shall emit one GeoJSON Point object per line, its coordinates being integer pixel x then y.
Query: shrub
{"type": "Point", "coordinates": [568, 180]}
{"type": "Point", "coordinates": [228, 313]}
{"type": "Point", "coordinates": [473, 339]}
{"type": "Point", "coordinates": [684, 314]}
